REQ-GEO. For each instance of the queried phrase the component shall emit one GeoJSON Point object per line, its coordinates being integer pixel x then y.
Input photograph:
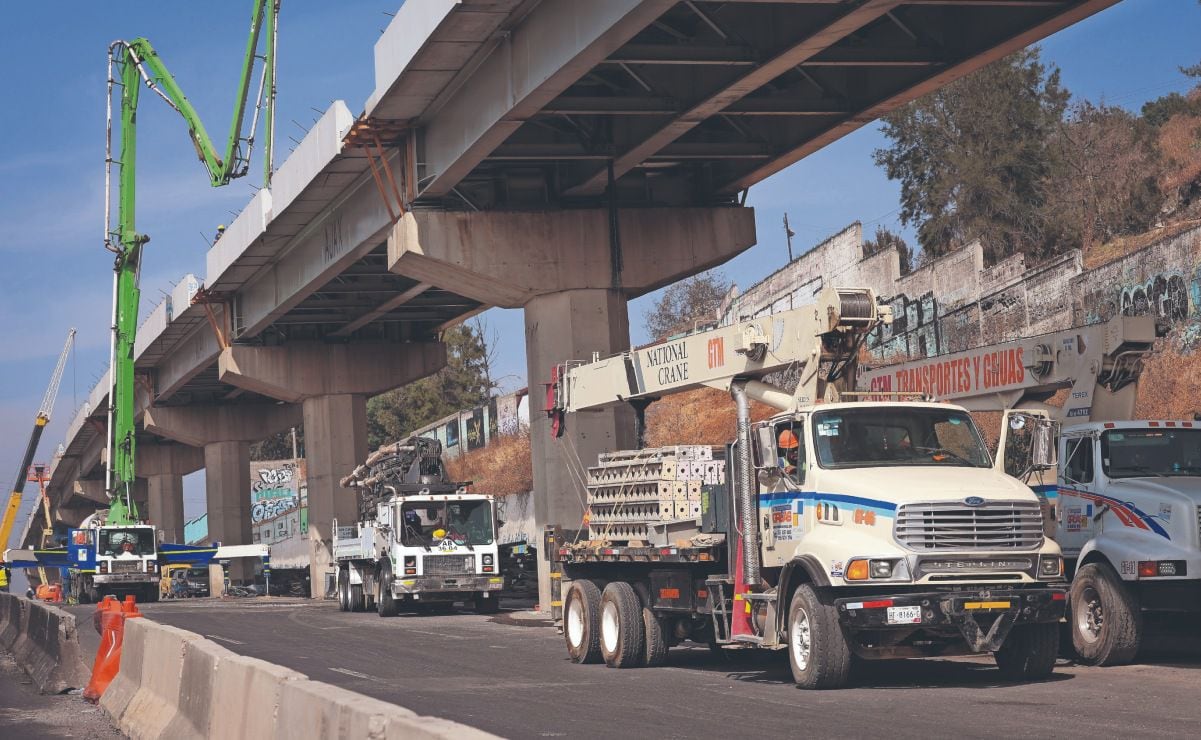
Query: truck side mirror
{"type": "Point", "coordinates": [1044, 448]}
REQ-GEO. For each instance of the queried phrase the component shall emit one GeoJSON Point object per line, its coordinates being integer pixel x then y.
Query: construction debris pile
{"type": "Point", "coordinates": [651, 494]}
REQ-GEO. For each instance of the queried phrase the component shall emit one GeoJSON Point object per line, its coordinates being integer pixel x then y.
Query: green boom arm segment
{"type": "Point", "coordinates": [139, 63]}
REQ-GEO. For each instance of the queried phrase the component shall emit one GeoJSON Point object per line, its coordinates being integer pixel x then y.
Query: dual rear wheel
{"type": "Point", "coordinates": [615, 625]}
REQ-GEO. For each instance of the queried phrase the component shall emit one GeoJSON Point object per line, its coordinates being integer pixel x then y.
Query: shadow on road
{"type": "Point", "coordinates": [772, 668]}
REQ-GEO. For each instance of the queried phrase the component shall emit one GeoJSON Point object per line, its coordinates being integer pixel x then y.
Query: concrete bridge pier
{"type": "Point", "coordinates": [331, 383]}
{"type": "Point", "coordinates": [164, 467]}
{"type": "Point", "coordinates": [573, 274]}
{"type": "Point", "coordinates": [224, 433]}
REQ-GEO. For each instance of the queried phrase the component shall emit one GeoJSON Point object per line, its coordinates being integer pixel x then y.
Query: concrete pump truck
{"type": "Point", "coordinates": [1124, 502]}
{"type": "Point", "coordinates": [118, 552]}
{"type": "Point", "coordinates": [843, 528]}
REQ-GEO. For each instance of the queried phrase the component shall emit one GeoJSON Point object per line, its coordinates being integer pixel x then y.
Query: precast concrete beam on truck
{"type": "Point", "coordinates": [508, 258]}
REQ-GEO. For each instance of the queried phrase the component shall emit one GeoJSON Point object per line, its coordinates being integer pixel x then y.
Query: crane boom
{"type": "Point", "coordinates": [40, 420]}
{"type": "Point", "coordinates": [820, 340]}
{"type": "Point", "coordinates": [136, 62]}
{"type": "Point", "coordinates": [1099, 364]}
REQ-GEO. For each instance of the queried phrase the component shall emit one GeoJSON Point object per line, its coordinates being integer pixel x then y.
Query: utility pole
{"type": "Point", "coordinates": [788, 234]}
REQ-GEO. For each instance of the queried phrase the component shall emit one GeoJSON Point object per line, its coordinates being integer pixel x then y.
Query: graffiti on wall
{"type": "Point", "coordinates": [914, 331]}
{"type": "Point", "coordinates": [278, 500]}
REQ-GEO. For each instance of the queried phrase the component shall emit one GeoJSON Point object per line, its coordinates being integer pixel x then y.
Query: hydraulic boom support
{"type": "Point", "coordinates": [132, 63]}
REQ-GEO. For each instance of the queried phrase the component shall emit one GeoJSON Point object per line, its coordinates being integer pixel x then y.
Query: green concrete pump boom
{"type": "Point", "coordinates": [136, 62]}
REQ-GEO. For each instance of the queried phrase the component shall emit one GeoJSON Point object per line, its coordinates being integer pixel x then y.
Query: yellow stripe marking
{"type": "Point", "coordinates": [986, 605]}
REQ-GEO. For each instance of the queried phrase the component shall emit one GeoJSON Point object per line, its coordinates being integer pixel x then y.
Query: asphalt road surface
{"type": "Point", "coordinates": [513, 678]}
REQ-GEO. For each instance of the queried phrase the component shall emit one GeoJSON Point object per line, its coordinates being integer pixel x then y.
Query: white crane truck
{"type": "Point", "coordinates": [421, 542]}
{"type": "Point", "coordinates": [1124, 502]}
{"type": "Point", "coordinates": [869, 529]}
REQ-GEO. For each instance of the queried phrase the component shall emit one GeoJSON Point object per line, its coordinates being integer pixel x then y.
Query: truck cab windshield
{"type": "Point", "coordinates": [133, 542]}
{"type": "Point", "coordinates": [430, 523]}
{"type": "Point", "coordinates": [1134, 453]}
{"type": "Point", "coordinates": [897, 436]}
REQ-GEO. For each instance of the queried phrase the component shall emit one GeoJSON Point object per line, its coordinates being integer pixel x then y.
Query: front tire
{"type": "Point", "coordinates": [1029, 652]}
{"type": "Point", "coordinates": [385, 602]}
{"type": "Point", "coordinates": [581, 622]}
{"type": "Point", "coordinates": [818, 652]}
{"type": "Point", "coordinates": [1106, 622]}
{"type": "Point", "coordinates": [623, 637]}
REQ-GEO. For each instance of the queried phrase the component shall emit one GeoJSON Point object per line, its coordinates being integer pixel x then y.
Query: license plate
{"type": "Point", "coordinates": [904, 615]}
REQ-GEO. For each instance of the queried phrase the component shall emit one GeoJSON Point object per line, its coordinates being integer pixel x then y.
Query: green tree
{"type": "Point", "coordinates": [1161, 110]}
{"type": "Point", "coordinates": [693, 299]}
{"type": "Point", "coordinates": [972, 157]}
{"type": "Point", "coordinates": [886, 238]}
{"type": "Point", "coordinates": [462, 384]}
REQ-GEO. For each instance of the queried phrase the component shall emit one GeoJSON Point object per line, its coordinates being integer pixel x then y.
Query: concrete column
{"type": "Point", "coordinates": [332, 384]}
{"type": "Point", "coordinates": [335, 440]}
{"type": "Point", "coordinates": [166, 506]}
{"type": "Point", "coordinates": [141, 498]}
{"type": "Point", "coordinates": [163, 466]}
{"type": "Point", "coordinates": [558, 266]}
{"type": "Point", "coordinates": [227, 493]}
{"type": "Point", "coordinates": [224, 432]}
{"type": "Point", "coordinates": [558, 327]}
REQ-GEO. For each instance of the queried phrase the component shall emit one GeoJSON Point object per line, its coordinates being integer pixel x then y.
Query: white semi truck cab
{"type": "Point", "coordinates": [115, 560]}
{"type": "Point", "coordinates": [841, 528]}
{"type": "Point", "coordinates": [421, 542]}
{"type": "Point", "coordinates": [1124, 500]}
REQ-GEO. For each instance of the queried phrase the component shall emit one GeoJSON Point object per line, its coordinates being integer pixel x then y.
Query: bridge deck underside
{"type": "Point", "coordinates": [715, 96]}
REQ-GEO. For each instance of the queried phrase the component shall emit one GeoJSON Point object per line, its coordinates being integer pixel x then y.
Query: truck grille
{"type": "Point", "coordinates": [449, 565]}
{"type": "Point", "coordinates": [126, 566]}
{"type": "Point", "coordinates": [951, 525]}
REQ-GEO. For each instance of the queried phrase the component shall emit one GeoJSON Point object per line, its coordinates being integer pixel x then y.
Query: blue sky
{"type": "Point", "coordinates": [58, 275]}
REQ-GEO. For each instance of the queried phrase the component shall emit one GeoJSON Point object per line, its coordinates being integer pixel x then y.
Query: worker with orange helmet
{"type": "Point", "coordinates": [788, 452]}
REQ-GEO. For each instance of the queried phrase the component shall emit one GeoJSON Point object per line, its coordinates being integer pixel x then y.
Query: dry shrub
{"type": "Point", "coordinates": [1099, 254]}
{"type": "Point", "coordinates": [502, 468]}
{"type": "Point", "coordinates": [701, 417]}
{"type": "Point", "coordinates": [1168, 387]}
{"type": "Point", "coordinates": [1180, 144]}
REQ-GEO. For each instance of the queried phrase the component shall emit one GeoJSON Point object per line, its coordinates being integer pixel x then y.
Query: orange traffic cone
{"type": "Point", "coordinates": [112, 616]}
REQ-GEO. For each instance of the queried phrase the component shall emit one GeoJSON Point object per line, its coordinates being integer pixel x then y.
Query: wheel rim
{"type": "Point", "coordinates": [575, 623]}
{"type": "Point", "coordinates": [609, 627]}
{"type": "Point", "coordinates": [800, 639]}
{"type": "Point", "coordinates": [1090, 616]}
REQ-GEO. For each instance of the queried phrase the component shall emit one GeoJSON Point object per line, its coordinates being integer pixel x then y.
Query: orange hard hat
{"type": "Point", "coordinates": [788, 440]}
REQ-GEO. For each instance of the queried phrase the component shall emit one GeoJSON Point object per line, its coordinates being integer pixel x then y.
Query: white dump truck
{"type": "Point", "coordinates": [1124, 502]}
{"type": "Point", "coordinates": [836, 528]}
{"type": "Point", "coordinates": [421, 542]}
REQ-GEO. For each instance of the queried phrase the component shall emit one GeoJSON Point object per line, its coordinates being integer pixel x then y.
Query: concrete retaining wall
{"type": "Point", "coordinates": [44, 642]}
{"type": "Point", "coordinates": [177, 684]}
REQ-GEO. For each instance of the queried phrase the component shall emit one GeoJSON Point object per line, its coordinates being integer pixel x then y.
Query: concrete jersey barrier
{"type": "Point", "coordinates": [177, 684]}
{"type": "Point", "coordinates": [44, 642]}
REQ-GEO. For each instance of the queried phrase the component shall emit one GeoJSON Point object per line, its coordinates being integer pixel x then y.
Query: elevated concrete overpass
{"type": "Point", "coordinates": [562, 156]}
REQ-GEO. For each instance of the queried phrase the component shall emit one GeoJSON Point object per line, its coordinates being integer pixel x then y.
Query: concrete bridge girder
{"type": "Point", "coordinates": [507, 258]}
{"type": "Point", "coordinates": [331, 382]}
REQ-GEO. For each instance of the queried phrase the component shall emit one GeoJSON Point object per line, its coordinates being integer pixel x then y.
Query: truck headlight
{"type": "Point", "coordinates": [1050, 566]}
{"type": "Point", "coordinates": [881, 568]}
{"type": "Point", "coordinates": [488, 559]}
